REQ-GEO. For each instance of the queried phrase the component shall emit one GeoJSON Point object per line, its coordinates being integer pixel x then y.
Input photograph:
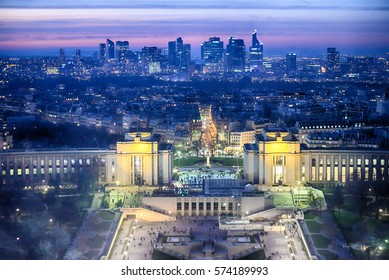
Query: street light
{"type": "Point", "coordinates": [20, 246]}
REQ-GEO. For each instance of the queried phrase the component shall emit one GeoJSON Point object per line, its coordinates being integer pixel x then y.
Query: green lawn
{"type": "Point", "coordinates": [103, 226]}
{"type": "Point", "coordinates": [313, 226]}
{"type": "Point", "coordinates": [228, 161]}
{"type": "Point", "coordinates": [283, 200]}
{"type": "Point", "coordinates": [188, 161]}
{"type": "Point", "coordinates": [320, 241]}
{"type": "Point", "coordinates": [346, 219]}
{"type": "Point", "coordinates": [309, 215]}
{"type": "Point", "coordinates": [328, 255]}
{"type": "Point", "coordinates": [107, 216]}
{"type": "Point", "coordinates": [96, 242]}
{"type": "Point", "coordinates": [201, 160]}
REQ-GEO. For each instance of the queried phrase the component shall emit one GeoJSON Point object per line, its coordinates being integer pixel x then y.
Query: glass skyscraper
{"type": "Point", "coordinates": [256, 54]}
{"type": "Point", "coordinates": [110, 49]}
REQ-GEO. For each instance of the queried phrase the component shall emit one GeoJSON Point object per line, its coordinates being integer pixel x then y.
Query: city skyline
{"type": "Point", "coordinates": [308, 28]}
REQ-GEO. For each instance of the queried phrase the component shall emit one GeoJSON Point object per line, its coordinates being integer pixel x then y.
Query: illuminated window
{"type": "Point", "coordinates": [42, 162]}
{"type": "Point", "coordinates": [359, 161]}
{"type": "Point", "coordinates": [336, 173]}
{"type": "Point", "coordinates": [328, 173]}
{"type": "Point", "coordinates": [50, 170]}
{"type": "Point", "coordinates": [87, 161]}
{"type": "Point", "coordinates": [321, 170]}
{"type": "Point", "coordinates": [42, 171]}
{"type": "Point", "coordinates": [351, 170]}
{"type": "Point", "coordinates": [50, 162]}
{"type": "Point", "coordinates": [27, 171]}
{"type": "Point", "coordinates": [367, 161]}
{"type": "Point", "coordinates": [57, 162]}
{"type": "Point", "coordinates": [58, 170]}
{"type": "Point", "coordinates": [313, 173]}
{"type": "Point", "coordinates": [65, 162]}
{"type": "Point", "coordinates": [224, 205]}
{"type": "Point", "coordinates": [19, 171]}
{"type": "Point", "coordinates": [367, 173]}
{"type": "Point", "coordinates": [343, 174]}
{"type": "Point", "coordinates": [11, 172]}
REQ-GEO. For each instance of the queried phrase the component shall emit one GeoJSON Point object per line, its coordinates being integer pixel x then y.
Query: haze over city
{"type": "Point", "coordinates": [306, 27]}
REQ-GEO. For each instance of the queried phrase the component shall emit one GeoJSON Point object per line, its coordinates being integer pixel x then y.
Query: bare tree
{"type": "Point", "coordinates": [74, 254]}
{"type": "Point", "coordinates": [46, 247]}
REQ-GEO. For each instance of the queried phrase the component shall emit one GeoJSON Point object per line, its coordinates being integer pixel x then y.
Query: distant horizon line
{"type": "Point", "coordinates": [90, 51]}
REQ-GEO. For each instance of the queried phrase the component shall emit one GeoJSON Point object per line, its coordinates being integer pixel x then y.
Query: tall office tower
{"type": "Point", "coordinates": [110, 49]}
{"type": "Point", "coordinates": [62, 55]}
{"type": "Point", "coordinates": [212, 50]}
{"type": "Point", "coordinates": [291, 63]}
{"type": "Point", "coordinates": [103, 52]}
{"type": "Point", "coordinates": [77, 58]}
{"type": "Point", "coordinates": [256, 54]}
{"type": "Point", "coordinates": [235, 55]}
{"type": "Point", "coordinates": [185, 57]}
{"type": "Point", "coordinates": [180, 51]}
{"type": "Point", "coordinates": [230, 53]}
{"type": "Point", "coordinates": [151, 60]}
{"type": "Point", "coordinates": [172, 53]}
{"type": "Point", "coordinates": [333, 60]}
{"type": "Point", "coordinates": [179, 54]}
{"type": "Point", "coordinates": [122, 51]}
{"type": "Point", "coordinates": [151, 54]}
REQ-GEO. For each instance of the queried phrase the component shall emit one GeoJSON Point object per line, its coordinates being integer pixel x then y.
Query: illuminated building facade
{"type": "Point", "coordinates": [140, 159]}
{"type": "Point", "coordinates": [278, 158]}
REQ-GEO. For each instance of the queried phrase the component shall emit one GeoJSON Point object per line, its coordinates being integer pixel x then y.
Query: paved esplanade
{"type": "Point", "coordinates": [137, 238]}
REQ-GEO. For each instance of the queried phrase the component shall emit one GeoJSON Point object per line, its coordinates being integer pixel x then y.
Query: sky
{"type": "Point", "coordinates": [301, 26]}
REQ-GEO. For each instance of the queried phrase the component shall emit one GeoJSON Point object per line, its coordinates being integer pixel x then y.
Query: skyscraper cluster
{"type": "Point", "coordinates": [234, 57]}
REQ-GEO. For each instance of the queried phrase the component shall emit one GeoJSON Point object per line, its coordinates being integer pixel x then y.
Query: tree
{"type": "Point", "coordinates": [74, 254]}
{"type": "Point", "coordinates": [119, 203]}
{"type": "Point", "coordinates": [338, 197]}
{"type": "Point", "coordinates": [60, 240]}
{"type": "Point", "coordinates": [46, 248]}
{"type": "Point", "coordinates": [67, 213]}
